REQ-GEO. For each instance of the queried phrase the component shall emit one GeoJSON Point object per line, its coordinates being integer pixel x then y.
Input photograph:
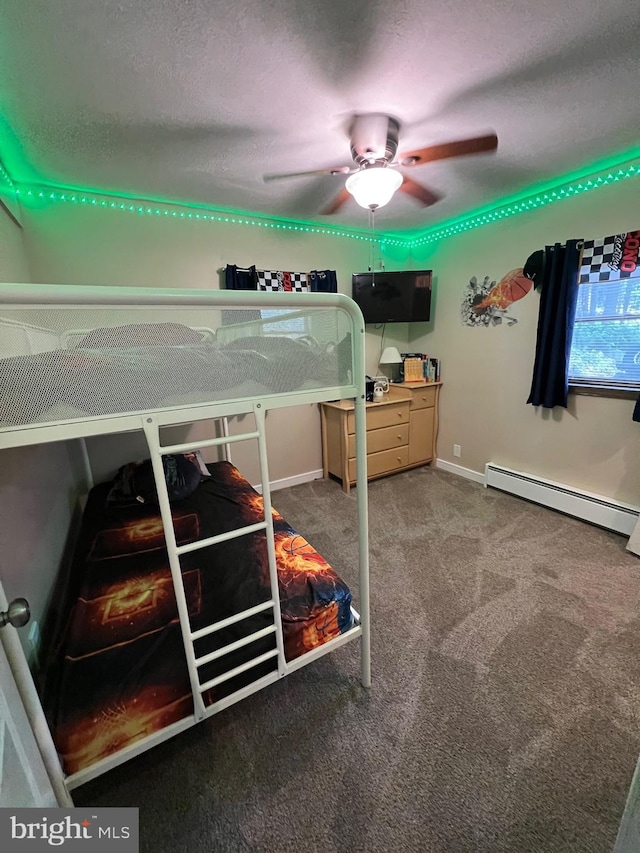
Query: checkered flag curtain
{"type": "Point", "coordinates": [282, 280]}
{"type": "Point", "coordinates": [610, 258]}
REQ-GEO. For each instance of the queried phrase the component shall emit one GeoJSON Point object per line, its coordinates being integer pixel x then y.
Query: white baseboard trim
{"type": "Point", "coordinates": [296, 480]}
{"type": "Point", "coordinates": [597, 509]}
{"type": "Point", "coordinates": [476, 476]}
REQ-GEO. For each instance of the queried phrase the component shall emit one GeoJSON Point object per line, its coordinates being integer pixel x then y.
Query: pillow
{"type": "Point", "coordinates": [141, 335]}
{"type": "Point", "coordinates": [135, 483]}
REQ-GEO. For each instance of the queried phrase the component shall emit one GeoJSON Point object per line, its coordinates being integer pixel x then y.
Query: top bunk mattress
{"type": "Point", "coordinates": [70, 362]}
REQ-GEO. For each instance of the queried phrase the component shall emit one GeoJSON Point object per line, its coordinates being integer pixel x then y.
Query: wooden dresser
{"type": "Point", "coordinates": [401, 433]}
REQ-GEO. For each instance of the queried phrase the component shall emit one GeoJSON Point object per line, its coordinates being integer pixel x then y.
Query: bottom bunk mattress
{"type": "Point", "coordinates": [117, 670]}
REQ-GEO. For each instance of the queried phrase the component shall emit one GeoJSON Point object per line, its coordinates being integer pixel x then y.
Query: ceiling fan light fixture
{"type": "Point", "coordinates": [373, 187]}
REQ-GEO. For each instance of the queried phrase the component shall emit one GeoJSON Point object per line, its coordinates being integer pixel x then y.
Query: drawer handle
{"type": "Point", "coordinates": [399, 414]}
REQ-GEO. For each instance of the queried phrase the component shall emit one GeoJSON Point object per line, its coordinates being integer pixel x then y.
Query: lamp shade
{"type": "Point", "coordinates": [373, 187]}
{"type": "Point", "coordinates": [390, 355]}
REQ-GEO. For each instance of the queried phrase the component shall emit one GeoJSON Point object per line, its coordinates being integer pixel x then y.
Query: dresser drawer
{"type": "Point", "coordinates": [423, 398]}
{"type": "Point", "coordinates": [382, 415]}
{"type": "Point", "coordinates": [382, 463]}
{"type": "Point", "coordinates": [382, 439]}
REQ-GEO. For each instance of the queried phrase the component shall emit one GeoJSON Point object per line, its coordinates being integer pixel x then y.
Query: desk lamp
{"type": "Point", "coordinates": [392, 357]}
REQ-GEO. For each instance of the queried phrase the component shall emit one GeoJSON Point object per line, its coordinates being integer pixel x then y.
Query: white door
{"type": "Point", "coordinates": [24, 780]}
{"type": "Point", "coordinates": [628, 840]}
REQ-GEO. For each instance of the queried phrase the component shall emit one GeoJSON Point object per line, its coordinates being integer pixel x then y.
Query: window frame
{"type": "Point", "coordinates": [592, 390]}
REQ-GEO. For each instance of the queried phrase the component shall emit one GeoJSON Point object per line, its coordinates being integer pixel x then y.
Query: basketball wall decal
{"type": "Point", "coordinates": [486, 303]}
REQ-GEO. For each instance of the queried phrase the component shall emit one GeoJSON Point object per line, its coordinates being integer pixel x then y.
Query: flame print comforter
{"type": "Point", "coordinates": [118, 671]}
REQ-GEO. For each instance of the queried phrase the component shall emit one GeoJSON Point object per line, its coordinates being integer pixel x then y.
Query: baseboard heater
{"type": "Point", "coordinates": [595, 509]}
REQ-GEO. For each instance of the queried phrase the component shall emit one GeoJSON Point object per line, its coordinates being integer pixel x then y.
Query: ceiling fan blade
{"type": "Point", "coordinates": [334, 206]}
{"type": "Point", "coordinates": [338, 170]}
{"type": "Point", "coordinates": [477, 145]}
{"type": "Point", "coordinates": [417, 191]}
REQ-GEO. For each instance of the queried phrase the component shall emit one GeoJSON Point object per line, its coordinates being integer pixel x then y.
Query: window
{"type": "Point", "coordinates": [605, 349]}
{"type": "Point", "coordinates": [291, 323]}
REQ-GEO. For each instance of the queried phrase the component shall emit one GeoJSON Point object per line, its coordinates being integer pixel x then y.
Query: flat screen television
{"type": "Point", "coordinates": [402, 296]}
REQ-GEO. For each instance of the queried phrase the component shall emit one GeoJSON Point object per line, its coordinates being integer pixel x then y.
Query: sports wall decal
{"type": "Point", "coordinates": [486, 303]}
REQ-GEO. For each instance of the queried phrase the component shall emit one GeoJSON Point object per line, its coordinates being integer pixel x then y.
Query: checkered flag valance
{"type": "Point", "coordinates": [610, 258]}
{"type": "Point", "coordinates": [281, 280]}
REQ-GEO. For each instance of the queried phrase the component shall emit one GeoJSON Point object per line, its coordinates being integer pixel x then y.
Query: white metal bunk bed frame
{"type": "Point", "coordinates": [29, 297]}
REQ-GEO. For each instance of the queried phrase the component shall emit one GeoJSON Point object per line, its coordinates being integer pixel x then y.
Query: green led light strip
{"type": "Point", "coordinates": [5, 177]}
{"type": "Point", "coordinates": [522, 205]}
{"type": "Point", "coordinates": [145, 207]}
{"type": "Point", "coordinates": [600, 175]}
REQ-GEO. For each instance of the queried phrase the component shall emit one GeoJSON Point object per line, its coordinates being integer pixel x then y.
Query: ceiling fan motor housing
{"type": "Point", "coordinates": [374, 139]}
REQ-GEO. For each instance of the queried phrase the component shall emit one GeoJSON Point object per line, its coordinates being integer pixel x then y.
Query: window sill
{"type": "Point", "coordinates": [620, 393]}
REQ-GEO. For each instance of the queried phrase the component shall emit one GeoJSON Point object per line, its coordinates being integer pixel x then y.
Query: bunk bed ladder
{"type": "Point", "coordinates": [151, 428]}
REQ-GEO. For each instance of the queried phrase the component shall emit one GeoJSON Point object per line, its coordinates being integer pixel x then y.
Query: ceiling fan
{"type": "Point", "coordinates": [374, 178]}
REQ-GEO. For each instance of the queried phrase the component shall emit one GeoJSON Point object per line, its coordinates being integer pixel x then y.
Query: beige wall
{"type": "Point", "coordinates": [75, 245]}
{"type": "Point", "coordinates": [594, 445]}
{"type": "Point", "coordinates": [38, 487]}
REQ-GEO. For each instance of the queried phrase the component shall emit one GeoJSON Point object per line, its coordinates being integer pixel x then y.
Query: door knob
{"type": "Point", "coordinates": [17, 615]}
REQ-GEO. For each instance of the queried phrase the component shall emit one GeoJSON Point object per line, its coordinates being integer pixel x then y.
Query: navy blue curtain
{"type": "Point", "coordinates": [559, 285]}
{"type": "Point", "coordinates": [240, 278]}
{"type": "Point", "coordinates": [323, 281]}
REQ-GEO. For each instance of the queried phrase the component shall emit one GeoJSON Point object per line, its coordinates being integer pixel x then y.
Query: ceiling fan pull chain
{"type": "Point", "coordinates": [372, 225]}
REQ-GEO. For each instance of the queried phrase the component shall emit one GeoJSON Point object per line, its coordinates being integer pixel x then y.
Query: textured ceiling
{"type": "Point", "coordinates": [195, 100]}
